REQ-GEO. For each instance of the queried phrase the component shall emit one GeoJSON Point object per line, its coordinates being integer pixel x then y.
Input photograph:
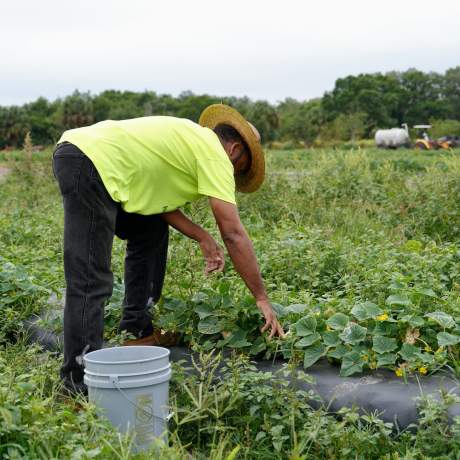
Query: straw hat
{"type": "Point", "coordinates": [221, 114]}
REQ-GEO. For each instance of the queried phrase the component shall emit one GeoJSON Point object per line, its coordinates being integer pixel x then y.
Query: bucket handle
{"type": "Point", "coordinates": [114, 380]}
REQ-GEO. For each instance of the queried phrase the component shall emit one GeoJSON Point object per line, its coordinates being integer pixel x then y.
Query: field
{"type": "Point", "coordinates": [360, 253]}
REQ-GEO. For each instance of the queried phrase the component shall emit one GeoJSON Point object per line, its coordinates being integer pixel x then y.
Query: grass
{"type": "Point", "coordinates": [330, 228]}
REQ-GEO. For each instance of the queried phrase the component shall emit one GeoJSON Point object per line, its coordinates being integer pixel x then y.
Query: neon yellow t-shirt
{"type": "Point", "coordinates": [156, 164]}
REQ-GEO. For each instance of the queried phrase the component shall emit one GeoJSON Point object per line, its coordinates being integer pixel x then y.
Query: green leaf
{"type": "Point", "coordinates": [426, 292]}
{"type": "Point", "coordinates": [203, 311]}
{"type": "Point", "coordinates": [366, 310]}
{"type": "Point", "coordinates": [243, 343]}
{"type": "Point", "coordinates": [413, 245]}
{"type": "Point", "coordinates": [305, 326]}
{"type": "Point", "coordinates": [331, 339]}
{"type": "Point", "coordinates": [429, 359]}
{"type": "Point", "coordinates": [409, 352]}
{"type": "Point", "coordinates": [339, 352]}
{"type": "Point", "coordinates": [353, 333]}
{"type": "Point", "coordinates": [443, 319]}
{"type": "Point", "coordinates": [386, 359]}
{"type": "Point", "coordinates": [209, 345]}
{"type": "Point", "coordinates": [400, 300]}
{"type": "Point", "coordinates": [413, 320]}
{"type": "Point", "coordinates": [296, 308]}
{"type": "Point", "coordinates": [279, 310]}
{"type": "Point", "coordinates": [313, 353]}
{"type": "Point", "coordinates": [238, 339]}
{"type": "Point", "coordinates": [308, 340]}
{"type": "Point", "coordinates": [260, 435]}
{"type": "Point", "coordinates": [200, 297]}
{"type": "Point", "coordinates": [258, 346]}
{"type": "Point", "coordinates": [233, 454]}
{"type": "Point", "coordinates": [446, 339]}
{"type": "Point", "coordinates": [91, 453]}
{"type": "Point", "coordinates": [338, 321]}
{"type": "Point", "coordinates": [176, 305]}
{"type": "Point", "coordinates": [383, 344]}
{"type": "Point", "coordinates": [351, 364]}
{"type": "Point", "coordinates": [209, 325]}
{"type": "Point", "coordinates": [385, 328]}
{"type": "Point", "coordinates": [224, 288]}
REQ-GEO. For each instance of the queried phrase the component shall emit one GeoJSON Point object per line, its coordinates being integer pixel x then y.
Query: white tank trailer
{"type": "Point", "coordinates": [393, 138]}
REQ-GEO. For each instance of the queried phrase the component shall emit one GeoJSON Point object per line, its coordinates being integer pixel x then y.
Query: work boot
{"type": "Point", "coordinates": [158, 338]}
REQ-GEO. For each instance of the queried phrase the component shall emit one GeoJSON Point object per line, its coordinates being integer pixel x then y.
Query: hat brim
{"type": "Point", "coordinates": [221, 114]}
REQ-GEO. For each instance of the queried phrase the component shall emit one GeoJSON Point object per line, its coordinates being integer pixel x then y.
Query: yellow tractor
{"type": "Point", "coordinates": [424, 142]}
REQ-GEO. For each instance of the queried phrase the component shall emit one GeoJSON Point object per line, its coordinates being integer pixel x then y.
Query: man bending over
{"type": "Point", "coordinates": [130, 178]}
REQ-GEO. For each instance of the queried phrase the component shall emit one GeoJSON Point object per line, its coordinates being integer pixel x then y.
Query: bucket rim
{"type": "Point", "coordinates": [114, 382]}
{"type": "Point", "coordinates": [161, 370]}
{"type": "Point", "coordinates": [130, 361]}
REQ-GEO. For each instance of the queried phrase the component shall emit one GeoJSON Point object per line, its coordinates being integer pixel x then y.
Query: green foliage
{"type": "Point", "coordinates": [47, 120]}
{"type": "Point", "coordinates": [383, 345]}
{"type": "Point", "coordinates": [76, 110]}
{"type": "Point", "coordinates": [36, 422]}
{"type": "Point", "coordinates": [213, 319]}
{"type": "Point", "coordinates": [264, 116]}
{"type": "Point", "coordinates": [386, 100]}
{"type": "Point", "coordinates": [345, 127]}
{"type": "Point", "coordinates": [444, 128]}
{"type": "Point", "coordinates": [13, 126]}
{"type": "Point", "coordinates": [300, 121]}
{"type": "Point", "coordinates": [253, 414]}
{"type": "Point", "coordinates": [353, 110]}
{"type": "Point", "coordinates": [338, 321]}
{"type": "Point", "coordinates": [18, 297]}
{"type": "Point", "coordinates": [269, 419]}
{"type": "Point", "coordinates": [451, 90]}
{"type": "Point", "coordinates": [347, 242]}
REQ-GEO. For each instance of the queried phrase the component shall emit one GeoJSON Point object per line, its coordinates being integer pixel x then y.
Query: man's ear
{"type": "Point", "coordinates": [235, 150]}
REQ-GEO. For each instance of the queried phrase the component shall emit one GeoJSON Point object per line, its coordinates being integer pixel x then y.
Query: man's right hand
{"type": "Point", "coordinates": [271, 321]}
{"type": "Point", "coordinates": [212, 253]}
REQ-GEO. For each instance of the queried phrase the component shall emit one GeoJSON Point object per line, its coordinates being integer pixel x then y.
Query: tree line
{"type": "Point", "coordinates": [354, 109]}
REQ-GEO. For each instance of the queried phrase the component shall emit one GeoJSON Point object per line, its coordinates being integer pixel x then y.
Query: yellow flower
{"type": "Point", "coordinates": [439, 350]}
{"type": "Point", "coordinates": [423, 370]}
{"type": "Point", "coordinates": [317, 313]}
{"type": "Point", "coordinates": [427, 348]}
{"type": "Point", "coordinates": [328, 328]}
{"type": "Point", "coordinates": [399, 372]}
{"type": "Point", "coordinates": [383, 317]}
{"type": "Point", "coordinates": [365, 358]}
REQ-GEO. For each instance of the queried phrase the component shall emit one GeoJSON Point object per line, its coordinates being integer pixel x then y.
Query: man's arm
{"type": "Point", "coordinates": [212, 252]}
{"type": "Point", "coordinates": [242, 253]}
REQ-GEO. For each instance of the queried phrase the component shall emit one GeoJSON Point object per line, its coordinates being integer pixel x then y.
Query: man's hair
{"type": "Point", "coordinates": [228, 133]}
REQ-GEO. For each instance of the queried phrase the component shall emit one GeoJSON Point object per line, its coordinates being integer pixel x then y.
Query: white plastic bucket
{"type": "Point", "coordinates": [130, 386]}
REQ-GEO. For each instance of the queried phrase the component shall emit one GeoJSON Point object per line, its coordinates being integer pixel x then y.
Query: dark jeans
{"type": "Point", "coordinates": [91, 219]}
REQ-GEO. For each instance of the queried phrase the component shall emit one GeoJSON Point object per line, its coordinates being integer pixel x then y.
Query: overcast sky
{"type": "Point", "coordinates": [263, 49]}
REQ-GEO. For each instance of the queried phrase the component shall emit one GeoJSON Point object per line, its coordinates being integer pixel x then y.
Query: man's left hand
{"type": "Point", "coordinates": [213, 255]}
